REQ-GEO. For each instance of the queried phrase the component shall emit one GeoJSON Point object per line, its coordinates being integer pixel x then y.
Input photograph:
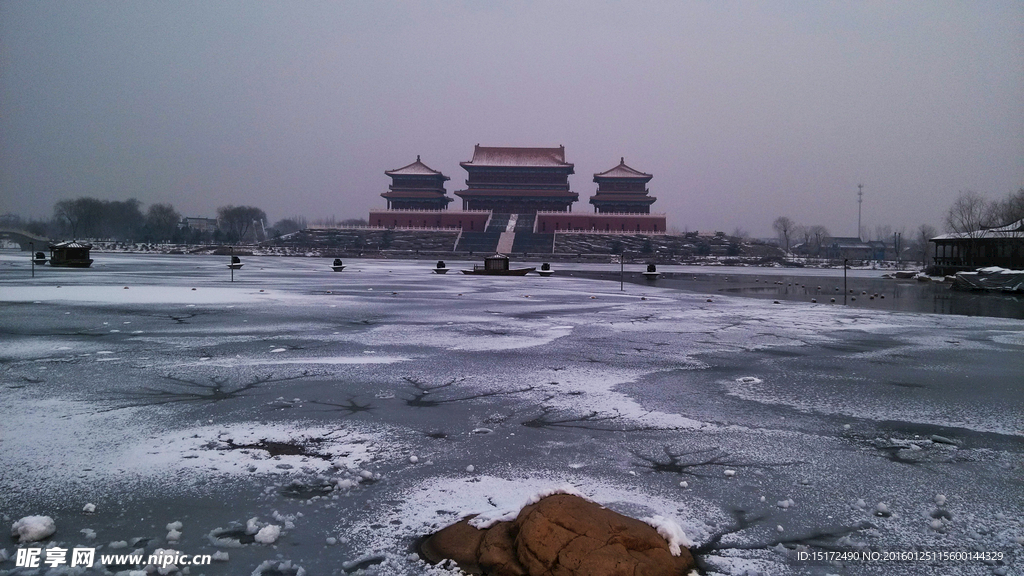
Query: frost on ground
{"type": "Point", "coordinates": [329, 421]}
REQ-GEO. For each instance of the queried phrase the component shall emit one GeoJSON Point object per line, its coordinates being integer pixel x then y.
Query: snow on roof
{"type": "Point", "coordinates": [71, 244]}
{"type": "Point", "coordinates": [1012, 230]}
{"type": "Point", "coordinates": [622, 171]}
{"type": "Point", "coordinates": [417, 168]}
{"type": "Point", "coordinates": [527, 157]}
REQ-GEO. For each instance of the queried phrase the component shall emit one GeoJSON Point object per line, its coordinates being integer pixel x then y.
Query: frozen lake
{"type": "Point", "coordinates": [361, 410]}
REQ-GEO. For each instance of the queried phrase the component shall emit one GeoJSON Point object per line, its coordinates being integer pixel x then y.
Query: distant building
{"type": "Point", "coordinates": [853, 248]}
{"type": "Point", "coordinates": [416, 187]}
{"type": "Point", "coordinates": [530, 183]}
{"type": "Point", "coordinates": [1002, 246]}
{"type": "Point", "coordinates": [70, 254]}
{"type": "Point", "coordinates": [199, 224]}
{"type": "Point", "coordinates": [622, 190]}
{"type": "Point", "coordinates": [517, 180]}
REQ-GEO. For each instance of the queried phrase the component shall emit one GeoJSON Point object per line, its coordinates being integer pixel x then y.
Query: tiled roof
{"type": "Point", "coordinates": [1012, 230]}
{"type": "Point", "coordinates": [622, 171]}
{"type": "Point", "coordinates": [71, 244]}
{"type": "Point", "coordinates": [514, 193]}
{"type": "Point", "coordinates": [525, 157]}
{"type": "Point", "coordinates": [417, 168]}
{"type": "Point", "coordinates": [848, 242]}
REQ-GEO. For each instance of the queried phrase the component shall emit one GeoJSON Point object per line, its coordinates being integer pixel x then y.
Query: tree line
{"type": "Point", "coordinates": [969, 215]}
{"type": "Point", "coordinates": [971, 212]}
{"type": "Point", "coordinates": [126, 221]}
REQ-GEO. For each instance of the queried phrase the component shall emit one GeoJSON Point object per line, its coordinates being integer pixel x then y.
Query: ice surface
{"type": "Point", "coordinates": [351, 407]}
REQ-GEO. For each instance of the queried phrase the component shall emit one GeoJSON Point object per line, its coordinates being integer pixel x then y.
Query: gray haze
{"type": "Point", "coordinates": [742, 111]}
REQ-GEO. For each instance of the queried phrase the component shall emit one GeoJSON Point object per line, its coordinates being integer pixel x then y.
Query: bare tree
{"type": "Point", "coordinates": [803, 233]}
{"type": "Point", "coordinates": [818, 236]}
{"type": "Point", "coordinates": [162, 222]}
{"type": "Point", "coordinates": [967, 218]}
{"type": "Point", "coordinates": [1008, 211]}
{"type": "Point", "coordinates": [84, 215]}
{"type": "Point", "coordinates": [289, 225]}
{"type": "Point", "coordinates": [968, 213]}
{"type": "Point", "coordinates": [784, 228]}
{"type": "Point", "coordinates": [121, 219]}
{"type": "Point", "coordinates": [238, 221]}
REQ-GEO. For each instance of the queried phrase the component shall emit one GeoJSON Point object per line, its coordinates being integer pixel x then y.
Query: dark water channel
{"type": "Point", "coordinates": [875, 293]}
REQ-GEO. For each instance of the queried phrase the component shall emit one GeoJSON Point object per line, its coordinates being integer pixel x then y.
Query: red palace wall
{"type": "Point", "coordinates": [468, 220]}
{"type": "Point", "coordinates": [548, 222]}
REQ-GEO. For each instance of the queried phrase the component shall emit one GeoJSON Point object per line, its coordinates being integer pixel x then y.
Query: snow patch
{"type": "Point", "coordinates": [671, 532]}
{"type": "Point", "coordinates": [268, 534]}
{"type": "Point", "coordinates": [33, 528]}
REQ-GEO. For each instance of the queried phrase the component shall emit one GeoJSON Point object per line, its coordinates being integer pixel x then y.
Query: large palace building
{"type": "Point", "coordinates": [522, 188]}
{"type": "Point", "coordinates": [518, 180]}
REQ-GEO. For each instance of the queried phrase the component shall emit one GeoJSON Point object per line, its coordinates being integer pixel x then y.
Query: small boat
{"type": "Point", "coordinates": [236, 263]}
{"type": "Point", "coordinates": [652, 273]}
{"type": "Point", "coordinates": [70, 254]}
{"type": "Point", "coordinates": [440, 268]}
{"type": "Point", "coordinates": [545, 270]}
{"type": "Point", "coordinates": [337, 266]}
{"type": "Point", "coordinates": [498, 265]}
{"type": "Point", "coordinates": [39, 258]}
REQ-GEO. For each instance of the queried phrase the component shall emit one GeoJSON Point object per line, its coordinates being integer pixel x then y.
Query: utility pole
{"type": "Point", "coordinates": [860, 200]}
{"type": "Point", "coordinates": [896, 237]}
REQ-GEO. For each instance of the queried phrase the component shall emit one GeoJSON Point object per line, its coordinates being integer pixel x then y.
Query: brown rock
{"type": "Point", "coordinates": [497, 552]}
{"type": "Point", "coordinates": [458, 542]}
{"type": "Point", "coordinates": [562, 535]}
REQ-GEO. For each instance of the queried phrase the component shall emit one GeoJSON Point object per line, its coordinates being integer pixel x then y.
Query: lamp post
{"type": "Point", "coordinates": [622, 258]}
{"type": "Point", "coordinates": [845, 291]}
{"type": "Point", "coordinates": [32, 256]}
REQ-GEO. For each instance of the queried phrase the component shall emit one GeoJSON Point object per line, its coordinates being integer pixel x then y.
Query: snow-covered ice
{"type": "Point", "coordinates": [354, 413]}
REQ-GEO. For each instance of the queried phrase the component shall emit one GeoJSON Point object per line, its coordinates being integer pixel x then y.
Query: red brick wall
{"type": "Point", "coordinates": [473, 221]}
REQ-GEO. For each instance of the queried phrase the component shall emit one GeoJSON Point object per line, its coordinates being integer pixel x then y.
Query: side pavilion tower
{"type": "Point", "coordinates": [622, 190]}
{"type": "Point", "coordinates": [416, 187]}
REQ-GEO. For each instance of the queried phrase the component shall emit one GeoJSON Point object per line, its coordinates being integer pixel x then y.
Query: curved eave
{"type": "Point", "coordinates": [645, 178]}
{"type": "Point", "coordinates": [623, 199]}
{"type": "Point", "coordinates": [551, 167]}
{"type": "Point", "coordinates": [414, 196]}
{"type": "Point", "coordinates": [517, 194]}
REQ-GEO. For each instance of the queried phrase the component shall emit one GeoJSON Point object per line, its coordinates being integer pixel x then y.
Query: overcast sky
{"type": "Point", "coordinates": [742, 111]}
